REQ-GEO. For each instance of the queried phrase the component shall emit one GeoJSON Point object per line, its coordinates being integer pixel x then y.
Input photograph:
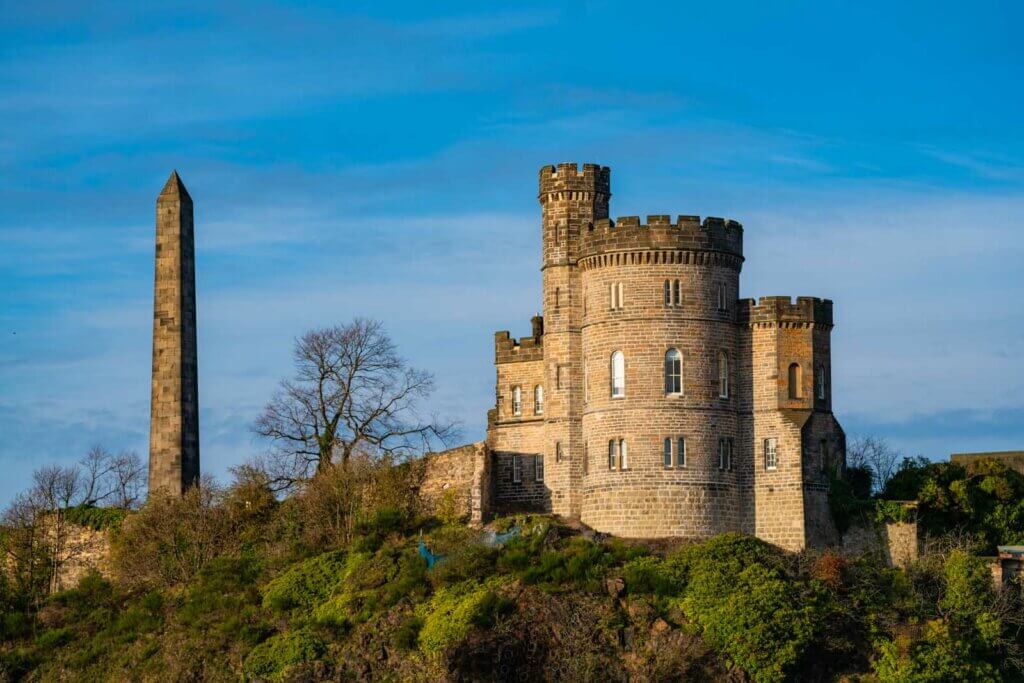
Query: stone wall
{"type": "Point", "coordinates": [458, 477]}
{"type": "Point", "coordinates": [895, 542]}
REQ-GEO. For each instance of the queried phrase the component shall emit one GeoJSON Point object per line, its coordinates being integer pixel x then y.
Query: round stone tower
{"type": "Point", "coordinates": [571, 199]}
{"type": "Point", "coordinates": [660, 419]}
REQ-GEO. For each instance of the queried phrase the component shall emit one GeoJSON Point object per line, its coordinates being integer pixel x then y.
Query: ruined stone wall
{"type": "Point", "coordinates": [458, 477]}
{"type": "Point", "coordinates": [896, 543]}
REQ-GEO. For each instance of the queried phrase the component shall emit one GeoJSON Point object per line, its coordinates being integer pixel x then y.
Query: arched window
{"type": "Point", "coordinates": [723, 374]}
{"type": "Point", "coordinates": [795, 380]}
{"type": "Point", "coordinates": [538, 400]}
{"type": "Point", "coordinates": [668, 293]}
{"type": "Point", "coordinates": [821, 382]}
{"type": "Point", "coordinates": [618, 374]}
{"type": "Point", "coordinates": [673, 372]}
{"type": "Point", "coordinates": [677, 293]}
{"type": "Point", "coordinates": [517, 400]}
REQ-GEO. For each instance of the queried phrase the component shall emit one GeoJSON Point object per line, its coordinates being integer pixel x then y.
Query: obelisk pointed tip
{"type": "Point", "coordinates": [174, 188]}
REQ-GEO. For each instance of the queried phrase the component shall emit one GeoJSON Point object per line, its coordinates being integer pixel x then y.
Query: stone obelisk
{"type": "Point", "coordinates": [174, 416]}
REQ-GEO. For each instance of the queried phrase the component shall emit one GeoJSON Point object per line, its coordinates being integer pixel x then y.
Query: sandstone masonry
{"type": "Point", "coordinates": [651, 401]}
{"type": "Point", "coordinates": [174, 417]}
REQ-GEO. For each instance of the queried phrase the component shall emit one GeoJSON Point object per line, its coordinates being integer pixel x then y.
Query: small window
{"type": "Point", "coordinates": [611, 454]}
{"type": "Point", "coordinates": [618, 374]}
{"type": "Point", "coordinates": [586, 383]}
{"type": "Point", "coordinates": [723, 301]}
{"type": "Point", "coordinates": [615, 293]}
{"type": "Point", "coordinates": [517, 469]}
{"type": "Point", "coordinates": [559, 375]}
{"type": "Point", "coordinates": [820, 381]}
{"type": "Point", "coordinates": [558, 451]}
{"type": "Point", "coordinates": [771, 458]}
{"type": "Point", "coordinates": [795, 380]}
{"type": "Point", "coordinates": [538, 400]}
{"type": "Point", "coordinates": [825, 464]}
{"type": "Point", "coordinates": [517, 400]}
{"type": "Point", "coordinates": [558, 297]}
{"type": "Point", "coordinates": [668, 293]}
{"type": "Point", "coordinates": [667, 455]}
{"type": "Point", "coordinates": [681, 452]}
{"type": "Point", "coordinates": [677, 293]}
{"type": "Point", "coordinates": [723, 374]}
{"type": "Point", "coordinates": [724, 454]}
{"type": "Point", "coordinates": [586, 459]}
{"type": "Point", "coordinates": [538, 468]}
{"type": "Point", "coordinates": [623, 457]}
{"type": "Point", "coordinates": [673, 372]}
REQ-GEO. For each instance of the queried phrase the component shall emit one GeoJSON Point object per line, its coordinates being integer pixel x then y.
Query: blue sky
{"type": "Point", "coordinates": [380, 159]}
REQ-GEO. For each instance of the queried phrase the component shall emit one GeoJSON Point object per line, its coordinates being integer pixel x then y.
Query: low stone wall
{"type": "Point", "coordinates": [459, 479]}
{"type": "Point", "coordinates": [85, 550]}
{"type": "Point", "coordinates": [895, 542]}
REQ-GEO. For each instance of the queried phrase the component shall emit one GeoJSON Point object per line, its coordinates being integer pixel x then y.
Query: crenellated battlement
{"type": "Point", "coordinates": [781, 310]}
{"type": "Point", "coordinates": [627, 233]}
{"type": "Point", "coordinates": [508, 349]}
{"type": "Point", "coordinates": [568, 177]}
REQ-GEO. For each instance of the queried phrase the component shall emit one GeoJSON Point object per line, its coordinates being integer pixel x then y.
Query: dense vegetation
{"type": "Point", "coordinates": [330, 584]}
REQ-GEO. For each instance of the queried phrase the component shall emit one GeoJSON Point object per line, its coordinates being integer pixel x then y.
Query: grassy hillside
{"type": "Point", "coordinates": [331, 584]}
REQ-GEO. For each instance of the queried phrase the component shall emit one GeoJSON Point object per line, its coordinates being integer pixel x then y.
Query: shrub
{"type": "Point", "coordinates": [745, 605]}
{"type": "Point", "coordinates": [272, 658]}
{"type": "Point", "coordinates": [935, 657]}
{"type": "Point", "coordinates": [172, 538]}
{"type": "Point", "coordinates": [472, 560]}
{"type": "Point", "coordinates": [407, 635]}
{"type": "Point", "coordinates": [450, 614]}
{"type": "Point", "coordinates": [306, 584]}
{"type": "Point", "coordinates": [95, 517]}
{"type": "Point", "coordinates": [53, 638]}
{"type": "Point", "coordinates": [651, 575]}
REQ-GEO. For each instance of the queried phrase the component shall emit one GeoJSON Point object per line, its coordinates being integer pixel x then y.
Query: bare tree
{"type": "Point", "coordinates": [351, 393]}
{"type": "Point", "coordinates": [108, 478]}
{"type": "Point", "coordinates": [877, 455]}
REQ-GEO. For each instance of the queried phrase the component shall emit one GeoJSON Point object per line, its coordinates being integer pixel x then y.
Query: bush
{"type": "Point", "coordinates": [745, 605]}
{"type": "Point", "coordinates": [935, 657]}
{"type": "Point", "coordinates": [272, 658]}
{"type": "Point", "coordinates": [95, 517]}
{"type": "Point", "coordinates": [407, 635]}
{"type": "Point", "coordinates": [651, 575]}
{"type": "Point", "coordinates": [471, 561]}
{"type": "Point", "coordinates": [450, 614]}
{"type": "Point", "coordinates": [172, 538]}
{"type": "Point", "coordinates": [306, 584]}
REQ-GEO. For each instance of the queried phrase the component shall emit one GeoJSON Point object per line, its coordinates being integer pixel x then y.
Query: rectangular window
{"type": "Point", "coordinates": [558, 296]}
{"type": "Point", "coordinates": [623, 459]}
{"type": "Point", "coordinates": [668, 294]}
{"type": "Point", "coordinates": [586, 459]}
{"type": "Point", "coordinates": [586, 383]}
{"type": "Point", "coordinates": [560, 377]}
{"type": "Point", "coordinates": [615, 295]}
{"type": "Point", "coordinates": [677, 293]}
{"type": "Point", "coordinates": [517, 401]}
{"type": "Point", "coordinates": [771, 458]}
{"type": "Point", "coordinates": [622, 301]}
{"type": "Point", "coordinates": [723, 302]}
{"type": "Point", "coordinates": [668, 452]}
{"type": "Point", "coordinates": [611, 454]}
{"type": "Point", "coordinates": [558, 451]}
{"type": "Point", "coordinates": [538, 467]}
{"type": "Point", "coordinates": [725, 454]}
{"type": "Point", "coordinates": [517, 469]}
{"type": "Point", "coordinates": [723, 374]}
{"type": "Point", "coordinates": [681, 452]}
{"type": "Point", "coordinates": [825, 464]}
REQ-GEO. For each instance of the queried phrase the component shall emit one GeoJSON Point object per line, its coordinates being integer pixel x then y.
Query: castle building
{"type": "Point", "coordinates": [649, 400]}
